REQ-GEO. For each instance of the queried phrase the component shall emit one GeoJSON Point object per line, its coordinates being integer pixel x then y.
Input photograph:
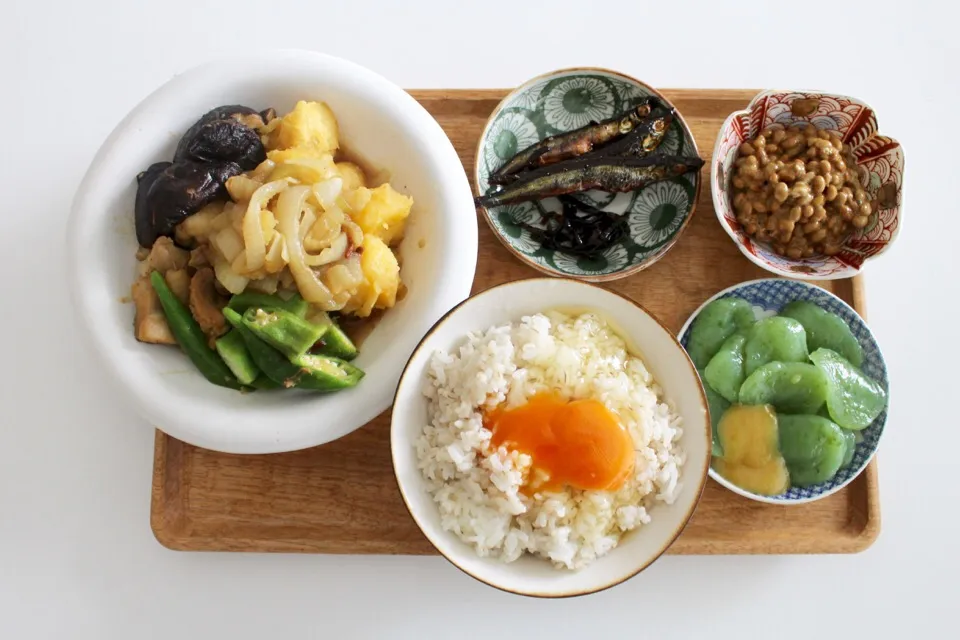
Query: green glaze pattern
{"type": "Point", "coordinates": [561, 102]}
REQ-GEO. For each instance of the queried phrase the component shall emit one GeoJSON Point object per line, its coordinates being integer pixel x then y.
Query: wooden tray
{"type": "Point", "coordinates": [342, 497]}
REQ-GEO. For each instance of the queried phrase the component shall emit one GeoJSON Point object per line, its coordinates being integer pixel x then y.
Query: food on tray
{"type": "Point", "coordinates": [760, 373]}
{"type": "Point", "coordinates": [792, 387]}
{"type": "Point", "coordinates": [546, 436]}
{"type": "Point", "coordinates": [617, 174]}
{"type": "Point", "coordinates": [814, 447]}
{"type": "Point", "coordinates": [853, 399]}
{"type": "Point", "coordinates": [257, 214]}
{"type": "Point", "coordinates": [752, 460]}
{"type": "Point", "coordinates": [797, 189]}
{"type": "Point", "coordinates": [714, 324]}
{"type": "Point", "coordinates": [774, 339]}
{"type": "Point", "coordinates": [825, 330]}
{"type": "Point", "coordinates": [571, 144]}
{"type": "Point", "coordinates": [725, 372]}
{"type": "Point", "coordinates": [615, 155]}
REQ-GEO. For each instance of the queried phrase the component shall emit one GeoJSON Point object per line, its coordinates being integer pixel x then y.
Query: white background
{"type": "Point", "coordinates": [77, 558]}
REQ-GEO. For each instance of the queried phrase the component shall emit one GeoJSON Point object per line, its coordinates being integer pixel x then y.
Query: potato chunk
{"type": "Point", "coordinates": [310, 125]}
{"type": "Point", "coordinates": [352, 176]}
{"type": "Point", "coordinates": [381, 278]}
{"type": "Point", "coordinates": [385, 214]}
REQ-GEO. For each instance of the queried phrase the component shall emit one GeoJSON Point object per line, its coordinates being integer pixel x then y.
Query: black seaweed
{"type": "Point", "coordinates": [167, 193]}
{"type": "Point", "coordinates": [580, 229]}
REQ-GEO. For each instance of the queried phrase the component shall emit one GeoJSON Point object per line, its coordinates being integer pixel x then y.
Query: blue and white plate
{"type": "Point", "coordinates": [768, 297]}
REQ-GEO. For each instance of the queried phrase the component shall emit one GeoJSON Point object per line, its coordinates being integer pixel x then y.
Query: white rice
{"type": "Point", "coordinates": [478, 489]}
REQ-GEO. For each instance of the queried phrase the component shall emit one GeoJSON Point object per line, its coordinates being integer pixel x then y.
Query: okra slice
{"type": "Point", "coordinates": [288, 333]}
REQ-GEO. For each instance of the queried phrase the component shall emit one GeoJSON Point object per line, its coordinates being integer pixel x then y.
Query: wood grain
{"type": "Point", "coordinates": [342, 497]}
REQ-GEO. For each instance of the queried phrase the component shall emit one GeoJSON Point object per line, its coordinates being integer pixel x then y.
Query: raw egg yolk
{"type": "Point", "coordinates": [577, 443]}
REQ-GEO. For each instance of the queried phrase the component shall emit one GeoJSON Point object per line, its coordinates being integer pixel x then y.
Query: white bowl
{"type": "Point", "coordinates": [665, 359]}
{"type": "Point", "coordinates": [380, 122]}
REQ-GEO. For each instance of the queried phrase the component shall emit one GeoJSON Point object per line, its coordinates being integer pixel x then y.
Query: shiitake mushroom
{"type": "Point", "coordinates": [169, 192]}
{"type": "Point", "coordinates": [223, 143]}
{"type": "Point", "coordinates": [227, 133]}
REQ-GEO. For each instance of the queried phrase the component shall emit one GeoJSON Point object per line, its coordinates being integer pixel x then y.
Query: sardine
{"type": "Point", "coordinates": [616, 174]}
{"type": "Point", "coordinates": [574, 143]}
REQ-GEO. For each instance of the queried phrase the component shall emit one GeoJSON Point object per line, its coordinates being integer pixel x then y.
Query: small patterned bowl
{"type": "Point", "coordinates": [770, 295]}
{"type": "Point", "coordinates": [880, 160]}
{"type": "Point", "coordinates": [562, 101]}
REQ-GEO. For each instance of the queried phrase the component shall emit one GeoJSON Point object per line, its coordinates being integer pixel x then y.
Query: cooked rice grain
{"type": "Point", "coordinates": [478, 490]}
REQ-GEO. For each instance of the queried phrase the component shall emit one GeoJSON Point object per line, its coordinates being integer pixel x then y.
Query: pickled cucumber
{"type": "Point", "coordinates": [724, 373]}
{"type": "Point", "coordinates": [813, 447]}
{"type": "Point", "coordinates": [714, 324]}
{"type": "Point", "coordinates": [774, 339]}
{"type": "Point", "coordinates": [825, 330]}
{"type": "Point", "coordinates": [791, 387]}
{"type": "Point", "coordinates": [850, 439]}
{"type": "Point", "coordinates": [853, 399]}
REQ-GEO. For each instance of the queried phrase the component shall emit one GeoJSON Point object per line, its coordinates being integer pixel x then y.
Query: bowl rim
{"type": "Point", "coordinates": [792, 501]}
{"type": "Point", "coordinates": [716, 196]}
{"type": "Point", "coordinates": [133, 382]}
{"type": "Point", "coordinates": [703, 473]}
{"type": "Point", "coordinates": [591, 278]}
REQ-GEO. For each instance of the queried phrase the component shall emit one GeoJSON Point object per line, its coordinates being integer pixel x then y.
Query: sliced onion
{"type": "Point", "coordinates": [336, 251]}
{"type": "Point", "coordinates": [276, 258]}
{"type": "Point", "coordinates": [344, 276]}
{"type": "Point", "coordinates": [253, 240]}
{"type": "Point", "coordinates": [228, 242]}
{"type": "Point", "coordinates": [265, 285]}
{"type": "Point", "coordinates": [230, 279]}
{"type": "Point", "coordinates": [325, 230]}
{"type": "Point", "coordinates": [354, 232]}
{"type": "Point", "coordinates": [306, 222]}
{"type": "Point", "coordinates": [242, 187]}
{"type": "Point", "coordinates": [262, 171]}
{"type": "Point", "coordinates": [327, 192]}
{"type": "Point", "coordinates": [289, 206]}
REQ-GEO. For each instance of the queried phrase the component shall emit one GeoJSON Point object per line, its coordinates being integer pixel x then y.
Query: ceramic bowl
{"type": "Point", "coordinates": [664, 358]}
{"type": "Point", "coordinates": [379, 121]}
{"type": "Point", "coordinates": [768, 297]}
{"type": "Point", "coordinates": [561, 101]}
{"type": "Point", "coordinates": [880, 160]}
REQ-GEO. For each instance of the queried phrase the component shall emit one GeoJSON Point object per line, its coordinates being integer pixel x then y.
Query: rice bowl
{"type": "Point", "coordinates": [472, 498]}
{"type": "Point", "coordinates": [478, 488]}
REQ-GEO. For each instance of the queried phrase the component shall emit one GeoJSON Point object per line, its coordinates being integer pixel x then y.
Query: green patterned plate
{"type": "Point", "coordinates": [562, 101]}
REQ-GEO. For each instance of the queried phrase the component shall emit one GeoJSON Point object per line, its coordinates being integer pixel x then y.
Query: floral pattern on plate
{"type": "Point", "coordinates": [511, 132]}
{"type": "Point", "coordinates": [880, 162]}
{"type": "Point", "coordinates": [657, 213]}
{"type": "Point", "coordinates": [561, 102]}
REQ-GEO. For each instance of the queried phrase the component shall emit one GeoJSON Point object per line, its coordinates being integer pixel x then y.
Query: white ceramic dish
{"type": "Point", "coordinates": [380, 122]}
{"type": "Point", "coordinates": [666, 360]}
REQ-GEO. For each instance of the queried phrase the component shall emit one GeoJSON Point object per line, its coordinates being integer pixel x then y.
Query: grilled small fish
{"type": "Point", "coordinates": [574, 143]}
{"type": "Point", "coordinates": [616, 174]}
{"type": "Point", "coordinates": [645, 139]}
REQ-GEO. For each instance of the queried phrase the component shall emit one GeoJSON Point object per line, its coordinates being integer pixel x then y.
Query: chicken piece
{"type": "Point", "coordinates": [206, 304]}
{"type": "Point", "coordinates": [198, 258]}
{"type": "Point", "coordinates": [179, 282]}
{"type": "Point", "coordinates": [164, 256]}
{"type": "Point", "coordinates": [150, 325]}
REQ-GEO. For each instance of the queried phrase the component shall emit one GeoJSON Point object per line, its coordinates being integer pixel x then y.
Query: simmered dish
{"type": "Point", "coordinates": [256, 240]}
{"type": "Point", "coordinates": [547, 437]}
{"type": "Point", "coordinates": [786, 393]}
